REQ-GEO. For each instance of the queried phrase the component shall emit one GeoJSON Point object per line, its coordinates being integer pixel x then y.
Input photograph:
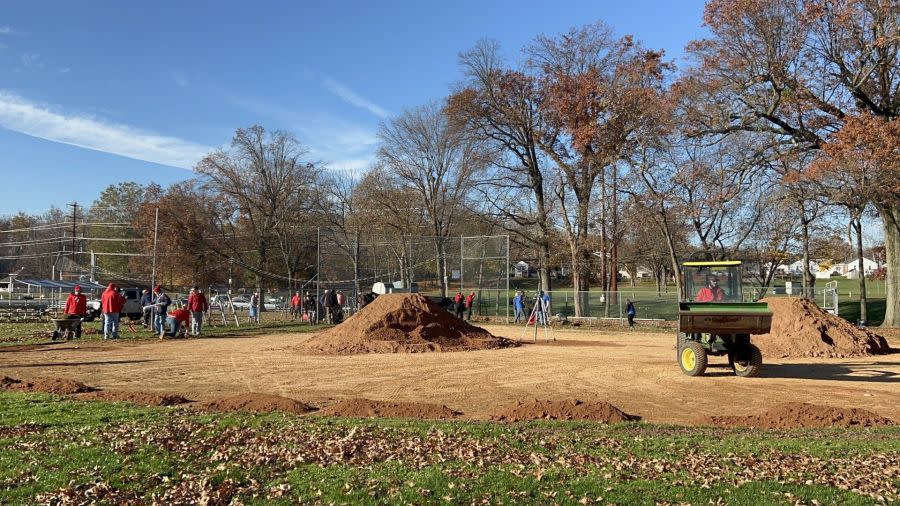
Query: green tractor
{"type": "Point", "coordinates": [714, 319]}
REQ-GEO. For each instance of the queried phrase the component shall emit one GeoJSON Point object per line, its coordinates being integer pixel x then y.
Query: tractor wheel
{"type": "Point", "coordinates": [746, 363]}
{"type": "Point", "coordinates": [692, 358]}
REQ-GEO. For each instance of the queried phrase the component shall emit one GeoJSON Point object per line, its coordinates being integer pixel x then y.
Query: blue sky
{"type": "Point", "coordinates": [94, 93]}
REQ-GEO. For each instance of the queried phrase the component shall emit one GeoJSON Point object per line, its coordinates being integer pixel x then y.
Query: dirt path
{"type": "Point", "coordinates": [635, 371]}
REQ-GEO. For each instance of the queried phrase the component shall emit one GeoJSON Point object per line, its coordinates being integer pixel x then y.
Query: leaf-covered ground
{"type": "Point", "coordinates": [57, 451]}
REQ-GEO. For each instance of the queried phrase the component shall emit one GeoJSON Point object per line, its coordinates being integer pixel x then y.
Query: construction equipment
{"type": "Point", "coordinates": [714, 320]}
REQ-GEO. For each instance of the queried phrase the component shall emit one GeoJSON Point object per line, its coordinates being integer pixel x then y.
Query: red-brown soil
{"type": "Point", "coordinates": [795, 415]}
{"type": "Point", "coordinates": [366, 408]}
{"type": "Point", "coordinates": [257, 403]}
{"type": "Point", "coordinates": [570, 409]}
{"type": "Point", "coordinates": [59, 386]}
{"type": "Point", "coordinates": [402, 323]}
{"type": "Point", "coordinates": [140, 398]}
{"type": "Point", "coordinates": [802, 329]}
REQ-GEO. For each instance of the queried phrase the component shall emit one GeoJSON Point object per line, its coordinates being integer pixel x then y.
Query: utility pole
{"type": "Point", "coordinates": [74, 206]}
{"type": "Point", "coordinates": [155, 235]}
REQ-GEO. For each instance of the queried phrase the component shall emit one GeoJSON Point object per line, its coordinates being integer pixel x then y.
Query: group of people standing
{"type": "Point", "coordinates": [156, 309]}
{"type": "Point", "coordinates": [331, 301]}
{"type": "Point", "coordinates": [540, 308]}
{"type": "Point", "coordinates": [463, 305]}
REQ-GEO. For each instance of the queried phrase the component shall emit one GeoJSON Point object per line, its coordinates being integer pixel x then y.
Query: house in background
{"type": "Point", "coordinates": [523, 269]}
{"type": "Point", "coordinates": [851, 269]}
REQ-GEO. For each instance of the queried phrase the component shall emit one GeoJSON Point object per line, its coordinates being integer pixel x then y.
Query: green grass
{"type": "Point", "coordinates": [111, 453]}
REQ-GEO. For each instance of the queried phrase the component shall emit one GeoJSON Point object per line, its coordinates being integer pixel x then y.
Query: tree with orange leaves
{"type": "Point", "coordinates": [598, 92]}
{"type": "Point", "coordinates": [823, 75]}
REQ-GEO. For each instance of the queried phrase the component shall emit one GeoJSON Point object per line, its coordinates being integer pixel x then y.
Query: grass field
{"type": "Point", "coordinates": [61, 451]}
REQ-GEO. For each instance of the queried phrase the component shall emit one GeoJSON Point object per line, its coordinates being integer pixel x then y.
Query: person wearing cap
{"type": "Point", "coordinates": [76, 304]}
{"type": "Point", "coordinates": [161, 303]}
{"type": "Point", "coordinates": [146, 306]}
{"type": "Point", "coordinates": [712, 292]}
{"type": "Point", "coordinates": [111, 303]}
{"type": "Point", "coordinates": [197, 305]}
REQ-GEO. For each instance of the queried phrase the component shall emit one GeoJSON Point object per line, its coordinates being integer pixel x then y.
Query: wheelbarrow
{"type": "Point", "coordinates": [67, 328]}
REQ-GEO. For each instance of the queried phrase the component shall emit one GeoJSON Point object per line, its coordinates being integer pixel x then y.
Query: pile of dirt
{"type": "Point", "coordinates": [796, 415]}
{"type": "Point", "coordinates": [570, 409]}
{"type": "Point", "coordinates": [139, 398]}
{"type": "Point", "coordinates": [402, 323]}
{"type": "Point", "coordinates": [801, 329]}
{"type": "Point", "coordinates": [257, 403]}
{"type": "Point", "coordinates": [366, 408]}
{"type": "Point", "coordinates": [59, 386]}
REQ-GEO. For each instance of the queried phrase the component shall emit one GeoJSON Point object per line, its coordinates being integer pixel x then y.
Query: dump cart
{"type": "Point", "coordinates": [67, 328]}
{"type": "Point", "coordinates": [714, 320]}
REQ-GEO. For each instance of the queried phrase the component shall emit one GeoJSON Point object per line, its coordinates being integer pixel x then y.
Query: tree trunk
{"type": "Point", "coordinates": [809, 279]}
{"type": "Point", "coordinates": [544, 272]}
{"type": "Point", "coordinates": [441, 265]}
{"type": "Point", "coordinates": [856, 223]}
{"type": "Point", "coordinates": [614, 239]}
{"type": "Point", "coordinates": [261, 262]}
{"type": "Point", "coordinates": [356, 288]}
{"type": "Point", "coordinates": [890, 215]}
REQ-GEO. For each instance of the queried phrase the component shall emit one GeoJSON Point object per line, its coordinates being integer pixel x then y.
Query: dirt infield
{"type": "Point", "coordinates": [801, 329]}
{"type": "Point", "coordinates": [796, 415]}
{"type": "Point", "coordinates": [367, 408]}
{"type": "Point", "coordinates": [402, 323]}
{"type": "Point", "coordinates": [634, 371]}
{"type": "Point", "coordinates": [572, 409]}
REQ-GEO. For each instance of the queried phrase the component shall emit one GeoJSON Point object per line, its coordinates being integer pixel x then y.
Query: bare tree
{"type": "Point", "coordinates": [598, 92]}
{"type": "Point", "coordinates": [502, 106]}
{"type": "Point", "coordinates": [263, 178]}
{"type": "Point", "coordinates": [423, 151]}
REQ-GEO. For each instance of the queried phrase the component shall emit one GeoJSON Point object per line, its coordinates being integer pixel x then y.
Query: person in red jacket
{"type": "Point", "coordinates": [197, 305]}
{"type": "Point", "coordinates": [176, 321]}
{"type": "Point", "coordinates": [111, 303]}
{"type": "Point", "coordinates": [470, 301]}
{"type": "Point", "coordinates": [296, 307]}
{"type": "Point", "coordinates": [711, 292]}
{"type": "Point", "coordinates": [76, 304]}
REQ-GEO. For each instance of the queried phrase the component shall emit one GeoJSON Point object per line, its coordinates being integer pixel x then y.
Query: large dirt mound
{"type": "Point", "coordinates": [570, 409]}
{"type": "Point", "coordinates": [59, 386]}
{"type": "Point", "coordinates": [140, 398]}
{"type": "Point", "coordinates": [795, 415]}
{"type": "Point", "coordinates": [802, 329]}
{"type": "Point", "coordinates": [402, 323]}
{"type": "Point", "coordinates": [257, 403]}
{"type": "Point", "coordinates": [366, 408]}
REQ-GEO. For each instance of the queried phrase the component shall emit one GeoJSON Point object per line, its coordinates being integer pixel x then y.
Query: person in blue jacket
{"type": "Point", "coordinates": [519, 306]}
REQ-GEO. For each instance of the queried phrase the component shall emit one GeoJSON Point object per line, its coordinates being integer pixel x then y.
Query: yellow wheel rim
{"type": "Point", "coordinates": [688, 359]}
{"type": "Point", "coordinates": [738, 366]}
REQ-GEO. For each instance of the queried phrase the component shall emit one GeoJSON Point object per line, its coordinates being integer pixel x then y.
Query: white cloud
{"type": "Point", "coordinates": [351, 97]}
{"type": "Point", "coordinates": [21, 115]}
{"type": "Point", "coordinates": [6, 30]}
{"type": "Point", "coordinates": [351, 164]}
{"type": "Point", "coordinates": [65, 70]}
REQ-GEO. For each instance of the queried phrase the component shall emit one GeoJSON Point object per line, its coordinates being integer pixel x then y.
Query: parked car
{"type": "Point", "coordinates": [240, 302]}
{"type": "Point", "coordinates": [132, 308]}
